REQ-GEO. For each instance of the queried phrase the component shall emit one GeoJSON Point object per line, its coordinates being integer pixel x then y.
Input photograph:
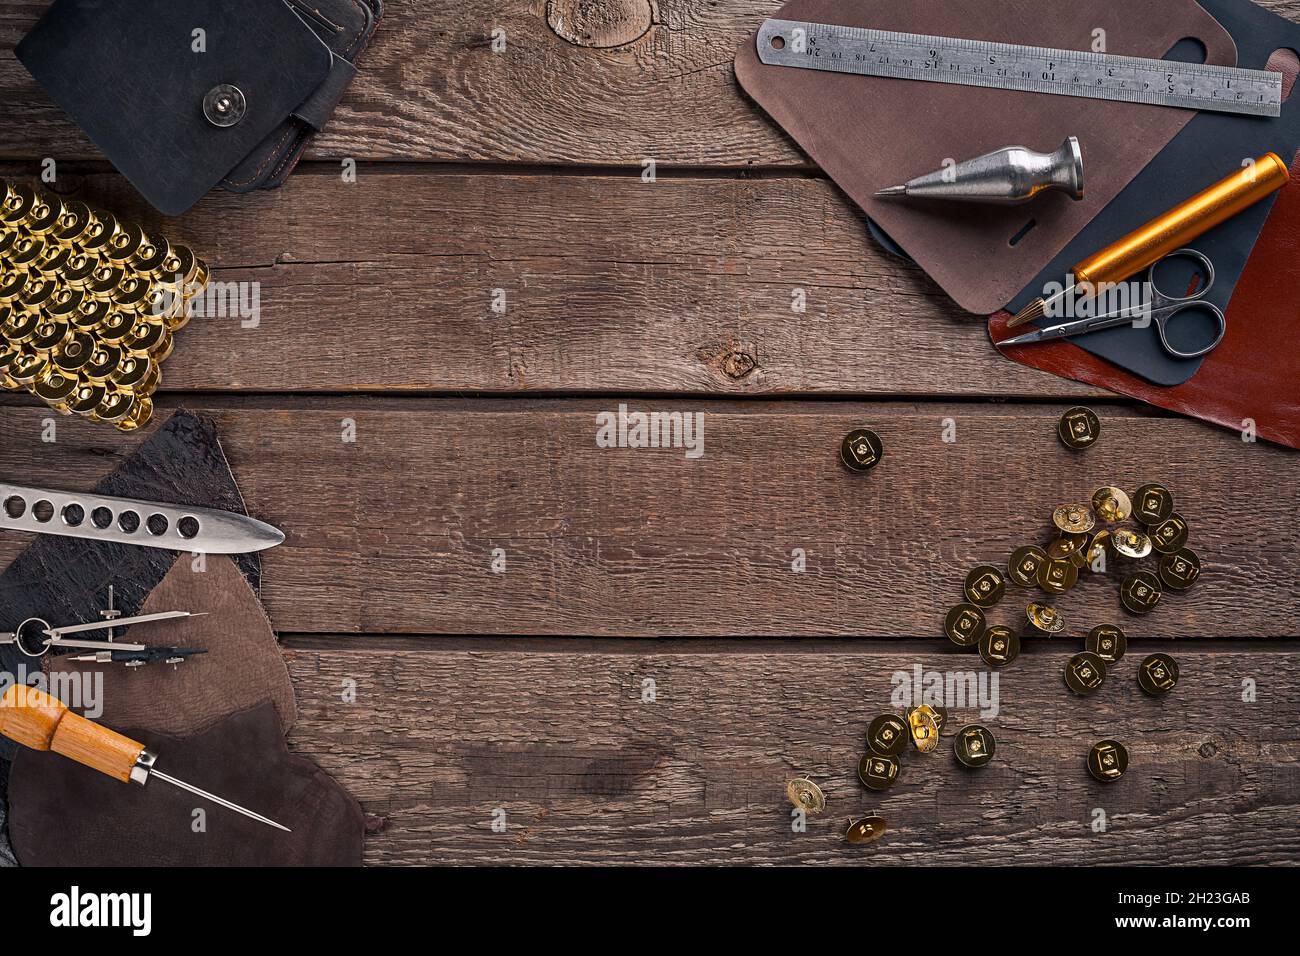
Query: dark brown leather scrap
{"type": "Point", "coordinates": [242, 667]}
{"type": "Point", "coordinates": [64, 814]}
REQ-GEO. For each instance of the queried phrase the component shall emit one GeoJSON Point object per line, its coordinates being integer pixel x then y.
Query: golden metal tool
{"type": "Point", "coordinates": [1166, 233]}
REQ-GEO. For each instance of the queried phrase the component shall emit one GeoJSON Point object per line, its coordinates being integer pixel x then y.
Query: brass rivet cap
{"type": "Point", "coordinates": [1074, 519]}
{"type": "Point", "coordinates": [1169, 535]}
{"type": "Point", "coordinates": [1079, 428]}
{"type": "Point", "coordinates": [1107, 760]}
{"type": "Point", "coordinates": [1107, 641]}
{"type": "Point", "coordinates": [924, 727]}
{"type": "Point", "coordinates": [806, 795]}
{"type": "Point", "coordinates": [861, 450]}
{"type": "Point", "coordinates": [999, 646]}
{"type": "Point", "coordinates": [964, 625]}
{"type": "Point", "coordinates": [1084, 673]}
{"type": "Point", "coordinates": [887, 735]}
{"type": "Point", "coordinates": [1180, 569]}
{"type": "Point", "coordinates": [866, 830]}
{"type": "Point", "coordinates": [1140, 592]}
{"type": "Point", "coordinates": [974, 745]}
{"type": "Point", "coordinates": [1158, 674]}
{"type": "Point", "coordinates": [1153, 504]}
{"type": "Point", "coordinates": [878, 771]}
{"type": "Point", "coordinates": [985, 586]}
{"type": "Point", "coordinates": [1024, 564]}
{"type": "Point", "coordinates": [1111, 504]}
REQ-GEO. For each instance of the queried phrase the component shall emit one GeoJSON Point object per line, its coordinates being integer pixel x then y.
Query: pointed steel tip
{"type": "Point", "coordinates": [892, 192]}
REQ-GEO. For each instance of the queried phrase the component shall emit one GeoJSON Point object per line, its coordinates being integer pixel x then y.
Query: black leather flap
{"type": "Point", "coordinates": [135, 74]}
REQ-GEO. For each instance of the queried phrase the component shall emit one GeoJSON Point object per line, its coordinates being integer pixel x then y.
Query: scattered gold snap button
{"type": "Point", "coordinates": [878, 771]}
{"type": "Point", "coordinates": [806, 795]}
{"type": "Point", "coordinates": [1079, 428]}
{"type": "Point", "coordinates": [1107, 760]}
{"type": "Point", "coordinates": [1140, 592]}
{"type": "Point", "coordinates": [1074, 519]}
{"type": "Point", "coordinates": [887, 734]}
{"type": "Point", "coordinates": [1044, 619]}
{"type": "Point", "coordinates": [1153, 504]}
{"type": "Point", "coordinates": [985, 586]}
{"type": "Point", "coordinates": [1107, 641]}
{"type": "Point", "coordinates": [1024, 564]}
{"type": "Point", "coordinates": [924, 728]}
{"type": "Point", "coordinates": [940, 714]}
{"type": "Point", "coordinates": [965, 625]}
{"type": "Point", "coordinates": [999, 646]}
{"type": "Point", "coordinates": [974, 745]}
{"type": "Point", "coordinates": [1057, 576]}
{"type": "Point", "coordinates": [1169, 535]}
{"type": "Point", "coordinates": [1111, 504]}
{"type": "Point", "coordinates": [866, 830]}
{"type": "Point", "coordinates": [1130, 543]}
{"type": "Point", "coordinates": [1180, 570]}
{"type": "Point", "coordinates": [1158, 674]}
{"type": "Point", "coordinates": [861, 450]}
{"type": "Point", "coordinates": [1084, 673]}
{"type": "Point", "coordinates": [1068, 546]}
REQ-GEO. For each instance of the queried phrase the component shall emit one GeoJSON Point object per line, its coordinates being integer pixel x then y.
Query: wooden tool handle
{"type": "Point", "coordinates": [35, 719]}
{"type": "Point", "coordinates": [1173, 230]}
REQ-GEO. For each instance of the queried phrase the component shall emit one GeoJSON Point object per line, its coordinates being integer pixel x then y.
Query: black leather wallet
{"type": "Point", "coordinates": [185, 95]}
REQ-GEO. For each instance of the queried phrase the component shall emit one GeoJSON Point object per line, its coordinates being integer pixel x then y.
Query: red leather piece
{"type": "Point", "coordinates": [1254, 373]}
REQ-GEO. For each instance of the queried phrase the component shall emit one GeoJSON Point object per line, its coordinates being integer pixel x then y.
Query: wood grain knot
{"type": "Point", "coordinates": [599, 23]}
{"type": "Point", "coordinates": [739, 364]}
{"type": "Point", "coordinates": [1208, 749]}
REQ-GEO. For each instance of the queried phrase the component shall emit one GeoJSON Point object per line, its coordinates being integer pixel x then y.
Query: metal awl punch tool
{"type": "Point", "coordinates": [34, 719]}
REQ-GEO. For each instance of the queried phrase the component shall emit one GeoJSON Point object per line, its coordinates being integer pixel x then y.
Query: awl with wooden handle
{"type": "Point", "coordinates": [35, 719]}
{"type": "Point", "coordinates": [1173, 230]}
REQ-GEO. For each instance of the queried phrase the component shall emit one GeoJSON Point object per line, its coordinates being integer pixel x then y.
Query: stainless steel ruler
{"type": "Point", "coordinates": [1008, 66]}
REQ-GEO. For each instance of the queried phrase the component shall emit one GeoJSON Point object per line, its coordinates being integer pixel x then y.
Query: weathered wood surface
{"type": "Point", "coordinates": [580, 82]}
{"type": "Point", "coordinates": [395, 532]}
{"type": "Point", "coordinates": [587, 772]}
{"type": "Point", "coordinates": [610, 284]}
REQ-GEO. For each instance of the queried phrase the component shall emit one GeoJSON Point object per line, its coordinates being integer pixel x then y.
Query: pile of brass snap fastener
{"type": "Point", "coordinates": [88, 305]}
{"type": "Point", "coordinates": [1088, 536]}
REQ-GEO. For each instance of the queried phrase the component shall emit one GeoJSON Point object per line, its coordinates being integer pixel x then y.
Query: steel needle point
{"type": "Point", "coordinates": [215, 799]}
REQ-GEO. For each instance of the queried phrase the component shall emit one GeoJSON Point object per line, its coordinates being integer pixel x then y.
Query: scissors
{"type": "Point", "coordinates": [1162, 308]}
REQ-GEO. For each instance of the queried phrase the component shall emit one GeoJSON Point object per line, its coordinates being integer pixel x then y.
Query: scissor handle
{"type": "Point", "coordinates": [1159, 299]}
{"type": "Point", "coordinates": [1165, 307]}
{"type": "Point", "coordinates": [1162, 322]}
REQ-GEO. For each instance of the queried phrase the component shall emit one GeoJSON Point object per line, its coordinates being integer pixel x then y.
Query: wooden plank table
{"type": "Point", "coordinates": [650, 667]}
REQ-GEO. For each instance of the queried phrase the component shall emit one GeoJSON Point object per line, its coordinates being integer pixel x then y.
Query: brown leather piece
{"type": "Point", "coordinates": [1253, 374]}
{"type": "Point", "coordinates": [64, 814]}
{"type": "Point", "coordinates": [242, 668]}
{"type": "Point", "coordinates": [868, 132]}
